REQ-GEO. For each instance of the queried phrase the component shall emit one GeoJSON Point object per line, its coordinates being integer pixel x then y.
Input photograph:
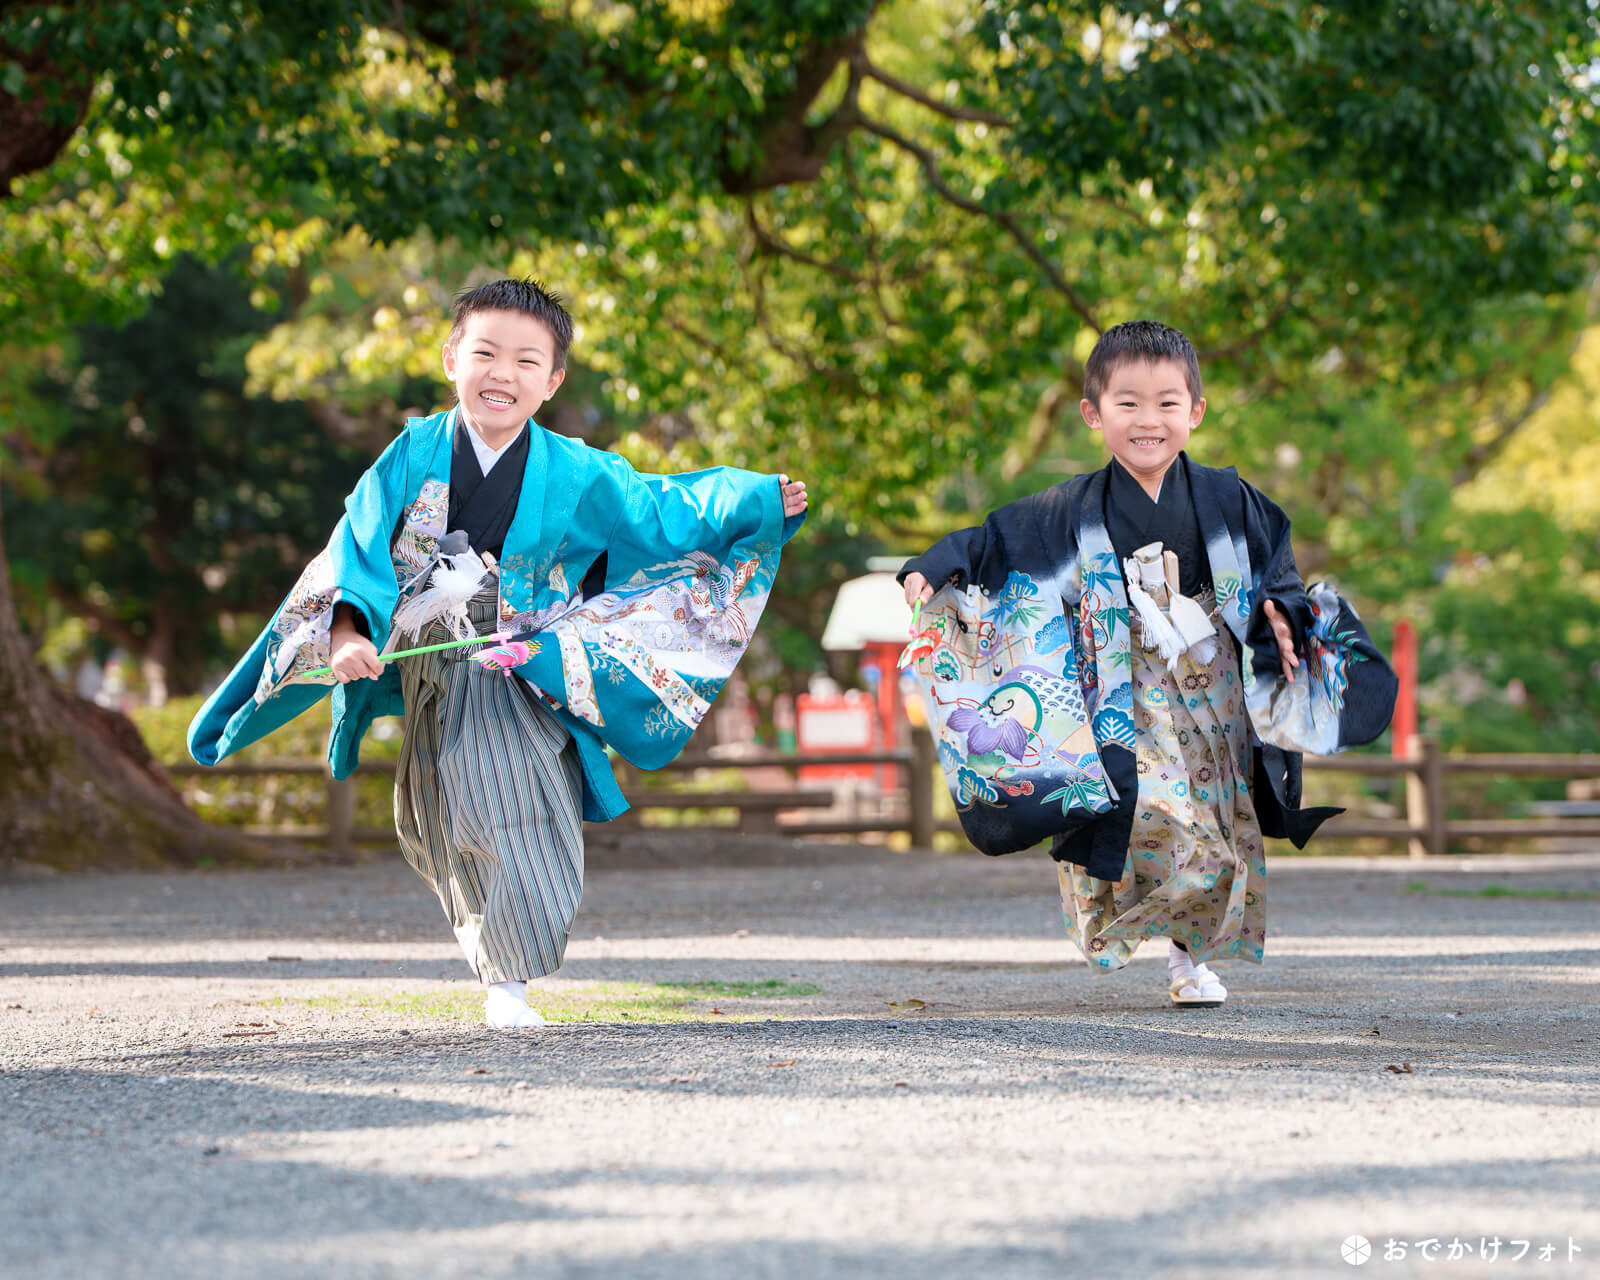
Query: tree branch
{"type": "Point", "coordinates": [34, 127]}
{"type": "Point", "coordinates": [792, 150]}
{"type": "Point", "coordinates": [873, 245]}
{"type": "Point", "coordinates": [705, 342]}
{"type": "Point", "coordinates": [83, 607]}
{"type": "Point", "coordinates": [873, 72]}
{"type": "Point", "coordinates": [930, 169]}
{"type": "Point", "coordinates": [1054, 402]}
{"type": "Point", "coordinates": [1480, 455]}
{"type": "Point", "coordinates": [784, 250]}
{"type": "Point", "coordinates": [1250, 340]}
{"type": "Point", "coordinates": [846, 379]}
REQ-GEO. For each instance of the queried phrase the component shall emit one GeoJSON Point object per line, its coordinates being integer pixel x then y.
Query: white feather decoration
{"type": "Point", "coordinates": [455, 580]}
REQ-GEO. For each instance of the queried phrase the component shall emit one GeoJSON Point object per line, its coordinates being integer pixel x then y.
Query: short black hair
{"type": "Point", "coordinates": [1147, 340]}
{"type": "Point", "coordinates": [526, 297]}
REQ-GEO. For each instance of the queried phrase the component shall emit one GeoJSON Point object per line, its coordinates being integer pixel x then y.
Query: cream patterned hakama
{"type": "Point", "coordinates": [1196, 867]}
{"type": "Point", "coordinates": [488, 805]}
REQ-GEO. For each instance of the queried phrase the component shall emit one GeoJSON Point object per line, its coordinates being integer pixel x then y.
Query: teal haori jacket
{"type": "Point", "coordinates": [689, 561]}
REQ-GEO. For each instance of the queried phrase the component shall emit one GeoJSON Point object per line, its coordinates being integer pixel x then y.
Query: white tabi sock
{"type": "Point", "coordinates": [506, 1005]}
{"type": "Point", "coordinates": [1181, 965]}
{"type": "Point", "coordinates": [1178, 963]}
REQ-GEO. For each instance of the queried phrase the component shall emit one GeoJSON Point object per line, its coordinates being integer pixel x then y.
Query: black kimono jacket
{"type": "Point", "coordinates": [1059, 539]}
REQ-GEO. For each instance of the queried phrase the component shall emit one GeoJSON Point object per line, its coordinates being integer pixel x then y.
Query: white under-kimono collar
{"type": "Point", "coordinates": [487, 457]}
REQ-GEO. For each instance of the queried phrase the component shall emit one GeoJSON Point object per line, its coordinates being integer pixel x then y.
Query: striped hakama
{"type": "Point", "coordinates": [488, 805]}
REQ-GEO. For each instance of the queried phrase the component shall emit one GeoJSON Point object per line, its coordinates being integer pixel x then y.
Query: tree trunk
{"type": "Point", "coordinates": [35, 126]}
{"type": "Point", "coordinates": [155, 659]}
{"type": "Point", "coordinates": [78, 787]}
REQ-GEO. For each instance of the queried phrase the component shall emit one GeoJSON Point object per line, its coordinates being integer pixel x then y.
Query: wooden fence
{"type": "Point", "coordinates": [757, 810]}
{"type": "Point", "coordinates": [1425, 827]}
{"type": "Point", "coordinates": [1427, 773]}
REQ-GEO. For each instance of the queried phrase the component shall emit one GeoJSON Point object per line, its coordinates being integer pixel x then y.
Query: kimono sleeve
{"type": "Point", "coordinates": [961, 558]}
{"type": "Point", "coordinates": [985, 554]}
{"type": "Point", "coordinates": [262, 691]}
{"type": "Point", "coordinates": [1276, 579]}
{"type": "Point", "coordinates": [662, 517]}
{"type": "Point", "coordinates": [361, 540]}
{"type": "Point", "coordinates": [1036, 534]}
{"type": "Point", "coordinates": [689, 563]}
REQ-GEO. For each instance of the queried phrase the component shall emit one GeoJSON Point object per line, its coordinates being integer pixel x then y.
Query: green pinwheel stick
{"type": "Point", "coordinates": [499, 637]}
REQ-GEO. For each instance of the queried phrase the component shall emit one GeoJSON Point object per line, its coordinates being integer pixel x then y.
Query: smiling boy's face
{"type": "Point", "coordinates": [1146, 414]}
{"type": "Point", "coordinates": [503, 366]}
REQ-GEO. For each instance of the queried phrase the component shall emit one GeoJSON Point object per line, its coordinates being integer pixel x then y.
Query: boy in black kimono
{"type": "Point", "coordinates": [1176, 850]}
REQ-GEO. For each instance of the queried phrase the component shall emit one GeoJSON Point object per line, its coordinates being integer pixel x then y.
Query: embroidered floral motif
{"type": "Point", "coordinates": [417, 545]}
{"type": "Point", "coordinates": [579, 679]}
{"type": "Point", "coordinates": [1013, 607]}
{"type": "Point", "coordinates": [299, 639]}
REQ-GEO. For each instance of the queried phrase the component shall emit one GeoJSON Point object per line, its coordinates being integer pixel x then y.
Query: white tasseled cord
{"type": "Point", "coordinates": [1184, 626]}
{"type": "Point", "coordinates": [1143, 573]}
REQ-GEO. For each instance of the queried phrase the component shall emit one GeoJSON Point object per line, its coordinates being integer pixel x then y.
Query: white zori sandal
{"type": "Point", "coordinates": [1201, 989]}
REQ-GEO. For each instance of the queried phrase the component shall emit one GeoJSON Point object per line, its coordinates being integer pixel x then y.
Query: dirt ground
{"type": "Point", "coordinates": [876, 1064]}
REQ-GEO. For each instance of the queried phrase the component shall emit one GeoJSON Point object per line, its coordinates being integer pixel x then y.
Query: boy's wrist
{"type": "Point", "coordinates": [347, 622]}
{"type": "Point", "coordinates": [342, 633]}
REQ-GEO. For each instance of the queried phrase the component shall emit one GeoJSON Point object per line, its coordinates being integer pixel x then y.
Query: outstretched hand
{"type": "Point", "coordinates": [794, 496]}
{"type": "Point", "coordinates": [1283, 633]}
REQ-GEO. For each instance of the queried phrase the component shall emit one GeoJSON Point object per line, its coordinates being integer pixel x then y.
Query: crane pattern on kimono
{"type": "Point", "coordinates": [697, 608]}
{"type": "Point", "coordinates": [299, 639]}
{"type": "Point", "coordinates": [300, 636]}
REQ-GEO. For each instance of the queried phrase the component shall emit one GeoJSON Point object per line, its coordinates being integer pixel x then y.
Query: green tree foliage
{"type": "Point", "coordinates": [161, 498]}
{"type": "Point", "coordinates": [1512, 659]}
{"type": "Point", "coordinates": [873, 242]}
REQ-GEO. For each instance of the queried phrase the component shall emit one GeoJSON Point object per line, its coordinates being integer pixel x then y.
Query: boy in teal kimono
{"type": "Point", "coordinates": [631, 596]}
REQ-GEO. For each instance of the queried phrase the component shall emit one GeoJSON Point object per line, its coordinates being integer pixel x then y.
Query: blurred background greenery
{"type": "Point", "coordinates": [867, 243]}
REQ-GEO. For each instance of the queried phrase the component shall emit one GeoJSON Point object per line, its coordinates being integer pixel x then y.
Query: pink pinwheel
{"type": "Point", "coordinates": [922, 644]}
{"type": "Point", "coordinates": [506, 657]}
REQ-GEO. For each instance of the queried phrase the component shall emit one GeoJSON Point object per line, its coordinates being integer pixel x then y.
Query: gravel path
{"type": "Point", "coordinates": [246, 1074]}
